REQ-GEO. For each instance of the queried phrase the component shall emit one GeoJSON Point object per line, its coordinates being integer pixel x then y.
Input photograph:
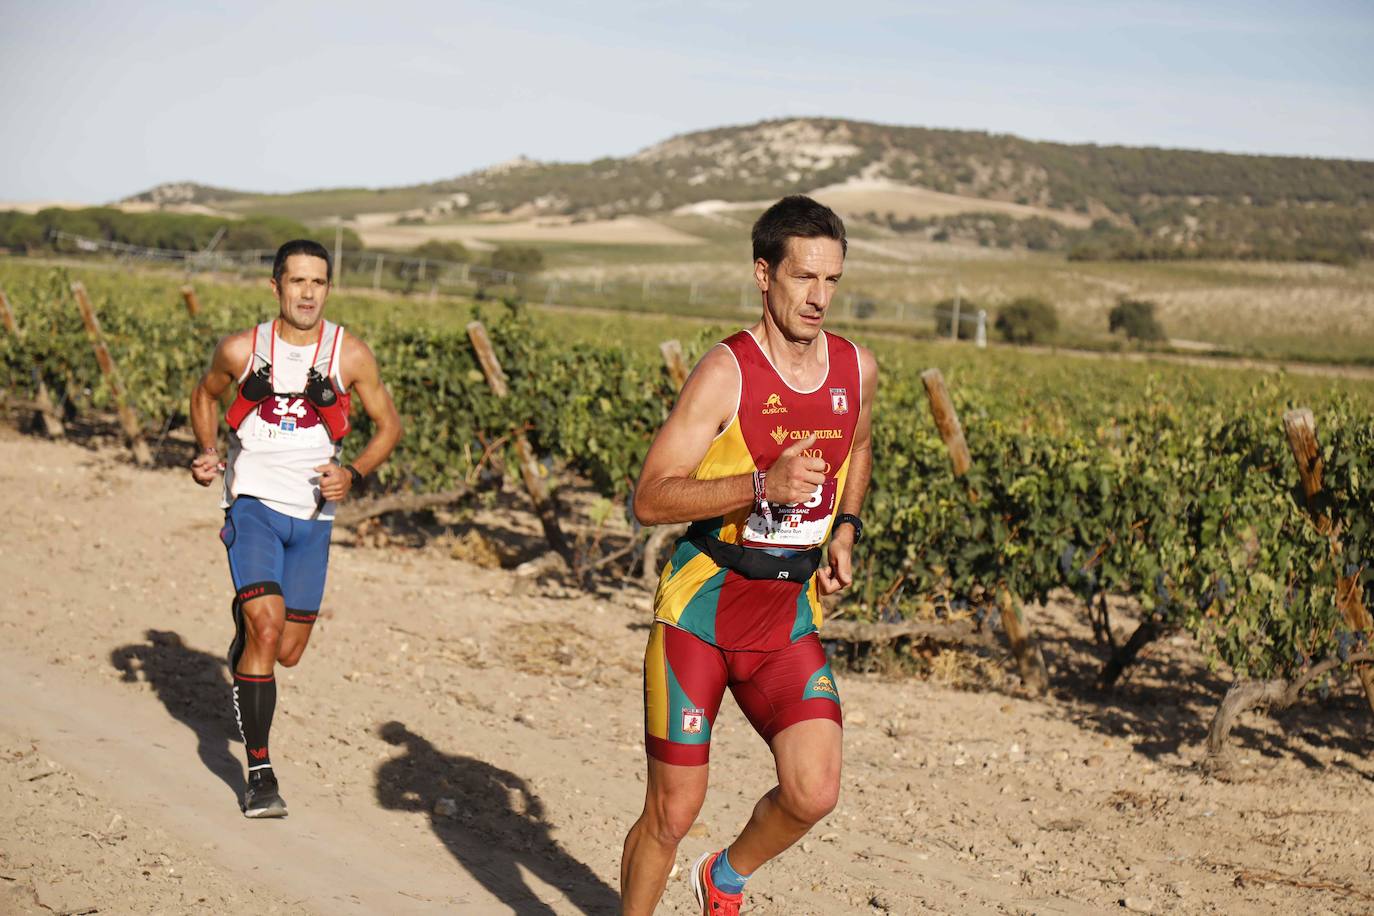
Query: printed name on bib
{"type": "Point", "coordinates": [802, 525]}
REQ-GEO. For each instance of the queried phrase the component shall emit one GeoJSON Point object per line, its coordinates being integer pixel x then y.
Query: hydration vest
{"type": "Point", "coordinates": [330, 401]}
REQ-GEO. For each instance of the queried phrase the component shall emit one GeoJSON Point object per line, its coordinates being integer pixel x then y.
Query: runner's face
{"type": "Point", "coordinates": [797, 294]}
{"type": "Point", "coordinates": [302, 291]}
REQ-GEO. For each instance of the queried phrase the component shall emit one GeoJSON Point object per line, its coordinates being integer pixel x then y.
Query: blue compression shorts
{"type": "Point", "coordinates": [274, 553]}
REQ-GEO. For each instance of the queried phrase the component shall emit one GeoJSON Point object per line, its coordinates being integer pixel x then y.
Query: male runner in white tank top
{"type": "Point", "coordinates": [295, 379]}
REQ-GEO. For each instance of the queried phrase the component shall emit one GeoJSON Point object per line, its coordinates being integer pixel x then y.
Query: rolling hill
{"type": "Point", "coordinates": [996, 189]}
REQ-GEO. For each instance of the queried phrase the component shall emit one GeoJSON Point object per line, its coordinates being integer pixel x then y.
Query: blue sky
{"type": "Point", "coordinates": [102, 100]}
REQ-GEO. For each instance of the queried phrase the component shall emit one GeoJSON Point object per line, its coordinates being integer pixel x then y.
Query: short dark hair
{"type": "Point", "coordinates": [302, 246]}
{"type": "Point", "coordinates": [797, 216]}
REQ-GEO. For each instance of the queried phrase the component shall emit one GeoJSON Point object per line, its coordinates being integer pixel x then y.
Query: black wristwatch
{"type": "Point", "coordinates": [854, 520]}
{"type": "Point", "coordinates": [356, 474]}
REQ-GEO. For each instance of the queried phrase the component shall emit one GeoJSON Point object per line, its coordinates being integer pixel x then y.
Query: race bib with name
{"type": "Point", "coordinates": [795, 527]}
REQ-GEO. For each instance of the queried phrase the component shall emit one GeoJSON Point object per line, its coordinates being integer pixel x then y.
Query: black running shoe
{"type": "Point", "coordinates": [236, 647]}
{"type": "Point", "coordinates": [262, 799]}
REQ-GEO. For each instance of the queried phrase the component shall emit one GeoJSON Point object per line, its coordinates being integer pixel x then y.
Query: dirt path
{"type": "Point", "coordinates": [429, 678]}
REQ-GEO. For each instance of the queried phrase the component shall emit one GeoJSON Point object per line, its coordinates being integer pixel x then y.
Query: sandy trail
{"type": "Point", "coordinates": [126, 751]}
{"type": "Point", "coordinates": [429, 678]}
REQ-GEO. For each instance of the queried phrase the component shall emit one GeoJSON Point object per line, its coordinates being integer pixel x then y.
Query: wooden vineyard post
{"type": "Point", "coordinates": [1350, 602]}
{"type": "Point", "coordinates": [52, 423]}
{"type": "Point", "coordinates": [7, 316]}
{"type": "Point", "coordinates": [529, 466]}
{"type": "Point", "coordinates": [672, 358]}
{"type": "Point", "coordinates": [1029, 660]}
{"type": "Point", "coordinates": [188, 293]}
{"type": "Point", "coordinates": [1301, 429]}
{"type": "Point", "coordinates": [127, 418]}
{"type": "Point", "coordinates": [481, 345]}
{"type": "Point", "coordinates": [947, 421]}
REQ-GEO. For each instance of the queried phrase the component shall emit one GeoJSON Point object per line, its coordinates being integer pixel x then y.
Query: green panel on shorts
{"type": "Point", "coordinates": [699, 616]}
{"type": "Point", "coordinates": [821, 685]}
{"type": "Point", "coordinates": [805, 621]}
{"type": "Point", "coordinates": [679, 705]}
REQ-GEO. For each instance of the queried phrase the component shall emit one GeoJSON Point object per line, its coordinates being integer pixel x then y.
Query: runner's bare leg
{"type": "Point", "coordinates": [672, 801]}
{"type": "Point", "coordinates": [264, 621]}
{"type": "Point", "coordinates": [808, 757]}
{"type": "Point", "coordinates": [271, 639]}
{"type": "Point", "coordinates": [294, 638]}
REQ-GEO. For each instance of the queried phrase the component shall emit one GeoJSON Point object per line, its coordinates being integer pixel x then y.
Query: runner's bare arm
{"type": "Point", "coordinates": [838, 572]}
{"type": "Point", "coordinates": [667, 492]}
{"type": "Point", "coordinates": [231, 355]}
{"type": "Point", "coordinates": [360, 372]}
{"type": "Point", "coordinates": [861, 453]}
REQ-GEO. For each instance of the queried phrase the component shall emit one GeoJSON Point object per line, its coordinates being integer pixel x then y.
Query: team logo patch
{"type": "Point", "coordinates": [691, 721]}
{"type": "Point", "coordinates": [779, 435]}
{"type": "Point", "coordinates": [821, 686]}
{"type": "Point", "coordinates": [839, 400]}
{"type": "Point", "coordinates": [773, 404]}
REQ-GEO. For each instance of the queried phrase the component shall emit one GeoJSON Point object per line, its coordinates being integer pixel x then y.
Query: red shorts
{"type": "Point", "coordinates": [685, 679]}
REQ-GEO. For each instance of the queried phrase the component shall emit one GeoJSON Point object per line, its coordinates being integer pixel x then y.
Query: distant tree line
{"type": "Point", "coordinates": [990, 229]}
{"type": "Point", "coordinates": [32, 232]}
{"type": "Point", "coordinates": [426, 260]}
{"type": "Point", "coordinates": [1328, 234]}
{"type": "Point", "coordinates": [1324, 233]}
{"type": "Point", "coordinates": [1033, 320]}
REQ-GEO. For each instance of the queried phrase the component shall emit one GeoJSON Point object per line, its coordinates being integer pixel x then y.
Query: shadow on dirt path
{"type": "Point", "coordinates": [195, 690]}
{"type": "Point", "coordinates": [497, 829]}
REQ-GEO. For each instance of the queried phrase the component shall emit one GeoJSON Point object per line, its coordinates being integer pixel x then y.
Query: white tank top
{"type": "Point", "coordinates": [274, 452]}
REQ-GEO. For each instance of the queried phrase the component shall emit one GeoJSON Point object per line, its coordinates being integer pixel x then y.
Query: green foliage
{"type": "Point", "coordinates": [1136, 319]}
{"type": "Point", "coordinates": [441, 250]}
{"type": "Point", "coordinates": [178, 231]}
{"type": "Point", "coordinates": [517, 259]}
{"type": "Point", "coordinates": [1036, 233]}
{"type": "Point", "coordinates": [1027, 320]}
{"type": "Point", "coordinates": [1174, 231]}
{"type": "Point", "coordinates": [1175, 488]}
{"type": "Point", "coordinates": [1181, 500]}
{"type": "Point", "coordinates": [591, 406]}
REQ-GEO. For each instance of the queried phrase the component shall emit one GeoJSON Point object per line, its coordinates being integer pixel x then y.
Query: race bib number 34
{"type": "Point", "coordinates": [285, 415]}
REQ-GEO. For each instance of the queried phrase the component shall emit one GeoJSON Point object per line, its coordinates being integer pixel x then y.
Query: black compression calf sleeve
{"type": "Point", "coordinates": [255, 699]}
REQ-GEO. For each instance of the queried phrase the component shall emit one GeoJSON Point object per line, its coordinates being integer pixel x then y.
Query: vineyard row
{"type": "Point", "coordinates": [1189, 501]}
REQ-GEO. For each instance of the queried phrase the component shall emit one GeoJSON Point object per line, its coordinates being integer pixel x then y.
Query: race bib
{"type": "Point", "coordinates": [800, 526]}
{"type": "Point", "coordinates": [285, 416]}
